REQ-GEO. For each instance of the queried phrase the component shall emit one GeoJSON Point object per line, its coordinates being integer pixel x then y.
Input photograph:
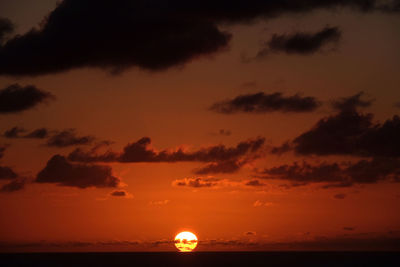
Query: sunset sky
{"type": "Point", "coordinates": [257, 125]}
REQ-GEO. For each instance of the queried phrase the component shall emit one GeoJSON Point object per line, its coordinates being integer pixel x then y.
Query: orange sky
{"type": "Point", "coordinates": [172, 108]}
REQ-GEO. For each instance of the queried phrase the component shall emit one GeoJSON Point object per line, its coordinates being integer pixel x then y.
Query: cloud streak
{"type": "Point", "coordinates": [16, 98]}
{"type": "Point", "coordinates": [265, 103]}
{"type": "Point", "coordinates": [221, 159]}
{"type": "Point", "coordinates": [303, 43]}
{"type": "Point", "coordinates": [335, 174]}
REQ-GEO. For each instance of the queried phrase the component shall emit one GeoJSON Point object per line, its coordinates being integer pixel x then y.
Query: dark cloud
{"type": "Point", "coordinates": [222, 159]}
{"type": "Point", "coordinates": [6, 173]}
{"type": "Point", "coordinates": [350, 132]}
{"type": "Point", "coordinates": [225, 132]}
{"type": "Point", "coordinates": [197, 182]}
{"type": "Point", "coordinates": [118, 193]}
{"type": "Point", "coordinates": [38, 134]}
{"type": "Point", "coordinates": [351, 103]}
{"type": "Point", "coordinates": [306, 173]}
{"type": "Point", "coordinates": [348, 228]}
{"type": "Point", "coordinates": [340, 196]}
{"type": "Point", "coordinates": [68, 138]}
{"type": "Point", "coordinates": [230, 166]}
{"type": "Point", "coordinates": [13, 186]}
{"type": "Point", "coordinates": [6, 28]}
{"type": "Point", "coordinates": [285, 147]}
{"type": "Point", "coordinates": [2, 149]}
{"type": "Point", "coordinates": [250, 233]}
{"type": "Point", "coordinates": [254, 182]}
{"type": "Point", "coordinates": [16, 98]}
{"type": "Point", "coordinates": [64, 173]}
{"type": "Point", "coordinates": [152, 35]}
{"type": "Point", "coordinates": [301, 42]}
{"type": "Point", "coordinates": [263, 103]}
{"type": "Point", "coordinates": [14, 132]}
{"type": "Point", "coordinates": [338, 175]}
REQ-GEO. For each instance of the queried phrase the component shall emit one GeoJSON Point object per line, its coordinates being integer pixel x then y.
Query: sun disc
{"type": "Point", "coordinates": [185, 241]}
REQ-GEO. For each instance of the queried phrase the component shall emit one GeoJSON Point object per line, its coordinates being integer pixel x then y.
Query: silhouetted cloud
{"type": "Point", "coordinates": [152, 35]}
{"type": "Point", "coordinates": [118, 193]}
{"type": "Point", "coordinates": [301, 42]}
{"type": "Point", "coordinates": [13, 132]}
{"type": "Point", "coordinates": [351, 103]}
{"type": "Point", "coordinates": [222, 159]}
{"type": "Point", "coordinates": [229, 166]}
{"type": "Point", "coordinates": [121, 194]}
{"type": "Point", "coordinates": [16, 98]}
{"type": "Point", "coordinates": [263, 103]}
{"type": "Point", "coordinates": [139, 152]}
{"type": "Point", "coordinates": [254, 182]}
{"type": "Point", "coordinates": [69, 138]}
{"type": "Point", "coordinates": [350, 132]}
{"type": "Point", "coordinates": [2, 149]}
{"type": "Point", "coordinates": [6, 28]}
{"type": "Point", "coordinates": [6, 173]}
{"type": "Point", "coordinates": [346, 228]}
{"type": "Point", "coordinates": [250, 233]}
{"type": "Point", "coordinates": [337, 175]}
{"type": "Point", "coordinates": [40, 133]}
{"type": "Point", "coordinates": [197, 182]}
{"type": "Point", "coordinates": [340, 196]}
{"type": "Point", "coordinates": [13, 186]}
{"type": "Point", "coordinates": [16, 132]}
{"type": "Point", "coordinates": [285, 147]}
{"type": "Point", "coordinates": [64, 173]}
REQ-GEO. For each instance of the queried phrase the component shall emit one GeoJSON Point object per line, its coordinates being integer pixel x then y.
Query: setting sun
{"type": "Point", "coordinates": [185, 241]}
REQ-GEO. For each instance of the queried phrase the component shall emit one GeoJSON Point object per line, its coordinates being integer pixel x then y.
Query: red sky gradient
{"type": "Point", "coordinates": [163, 186]}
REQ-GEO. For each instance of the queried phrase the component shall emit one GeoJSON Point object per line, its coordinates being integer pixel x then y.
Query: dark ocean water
{"type": "Point", "coordinates": [204, 259]}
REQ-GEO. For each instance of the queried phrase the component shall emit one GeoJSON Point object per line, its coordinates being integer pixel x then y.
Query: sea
{"type": "Point", "coordinates": [342, 259]}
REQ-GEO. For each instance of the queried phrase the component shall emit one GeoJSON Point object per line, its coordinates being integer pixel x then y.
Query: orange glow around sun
{"type": "Point", "coordinates": [185, 241]}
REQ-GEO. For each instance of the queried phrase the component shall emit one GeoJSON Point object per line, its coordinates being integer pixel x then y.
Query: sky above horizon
{"type": "Point", "coordinates": [257, 125]}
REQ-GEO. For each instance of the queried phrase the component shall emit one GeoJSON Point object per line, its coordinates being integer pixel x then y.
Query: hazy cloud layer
{"type": "Point", "coordinates": [264, 103]}
{"type": "Point", "coordinates": [150, 35]}
{"type": "Point", "coordinates": [301, 42]}
{"type": "Point", "coordinates": [16, 98]}
{"type": "Point", "coordinates": [64, 173]}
